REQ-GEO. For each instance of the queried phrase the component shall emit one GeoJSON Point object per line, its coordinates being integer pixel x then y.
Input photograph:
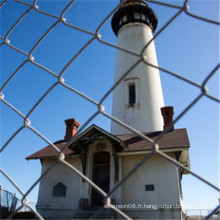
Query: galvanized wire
{"type": "Point", "coordinates": [95, 36]}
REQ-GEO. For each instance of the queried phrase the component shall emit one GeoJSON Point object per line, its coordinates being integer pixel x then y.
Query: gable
{"type": "Point", "coordinates": [96, 133]}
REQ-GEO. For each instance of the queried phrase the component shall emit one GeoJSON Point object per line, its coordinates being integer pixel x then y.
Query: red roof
{"type": "Point", "coordinates": [49, 151]}
{"type": "Point", "coordinates": [174, 139]}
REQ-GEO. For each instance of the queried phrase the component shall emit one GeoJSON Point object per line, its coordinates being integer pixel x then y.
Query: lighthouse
{"type": "Point", "coordinates": [137, 100]}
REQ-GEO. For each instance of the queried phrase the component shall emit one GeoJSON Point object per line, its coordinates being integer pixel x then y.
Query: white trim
{"type": "Point", "coordinates": [148, 151]}
{"type": "Point", "coordinates": [54, 157]}
{"type": "Point", "coordinates": [99, 129]}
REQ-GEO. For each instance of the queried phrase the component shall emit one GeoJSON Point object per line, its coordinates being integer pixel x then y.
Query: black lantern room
{"type": "Point", "coordinates": [134, 11]}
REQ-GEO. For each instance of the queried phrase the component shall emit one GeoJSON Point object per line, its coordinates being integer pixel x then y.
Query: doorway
{"type": "Point", "coordinates": [100, 175]}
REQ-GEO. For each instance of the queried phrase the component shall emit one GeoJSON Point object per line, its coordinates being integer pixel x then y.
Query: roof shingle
{"type": "Point", "coordinates": [49, 151]}
{"type": "Point", "coordinates": [174, 139]}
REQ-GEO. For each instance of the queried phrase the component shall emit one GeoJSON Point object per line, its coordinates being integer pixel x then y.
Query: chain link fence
{"type": "Point", "coordinates": [200, 213]}
{"type": "Point", "coordinates": [32, 6]}
{"type": "Point", "coordinates": [8, 202]}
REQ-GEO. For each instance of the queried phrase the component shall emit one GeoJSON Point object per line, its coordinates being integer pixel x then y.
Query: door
{"type": "Point", "coordinates": [100, 175]}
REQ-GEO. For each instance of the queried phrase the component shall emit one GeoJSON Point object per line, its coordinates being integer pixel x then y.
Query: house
{"type": "Point", "coordinates": [106, 159]}
{"type": "Point", "coordinates": [153, 191]}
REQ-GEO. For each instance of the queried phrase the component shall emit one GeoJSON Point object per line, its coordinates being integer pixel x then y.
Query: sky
{"type": "Point", "coordinates": [188, 47]}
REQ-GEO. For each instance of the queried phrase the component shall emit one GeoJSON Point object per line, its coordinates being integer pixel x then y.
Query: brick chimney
{"type": "Point", "coordinates": [71, 128]}
{"type": "Point", "coordinates": [167, 113]}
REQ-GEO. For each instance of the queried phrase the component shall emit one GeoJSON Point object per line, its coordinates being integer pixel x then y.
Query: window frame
{"type": "Point", "coordinates": [134, 81]}
{"type": "Point", "coordinates": [132, 94]}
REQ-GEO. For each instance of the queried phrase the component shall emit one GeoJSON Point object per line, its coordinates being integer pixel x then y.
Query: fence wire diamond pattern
{"type": "Point", "coordinates": [32, 6]}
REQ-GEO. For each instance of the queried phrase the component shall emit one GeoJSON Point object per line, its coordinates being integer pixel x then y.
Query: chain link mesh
{"type": "Point", "coordinates": [60, 80]}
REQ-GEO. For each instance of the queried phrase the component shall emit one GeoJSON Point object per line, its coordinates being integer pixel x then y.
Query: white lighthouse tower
{"type": "Point", "coordinates": [137, 100]}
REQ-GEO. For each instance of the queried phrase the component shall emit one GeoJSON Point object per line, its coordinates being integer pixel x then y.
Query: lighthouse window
{"type": "Point", "coordinates": [143, 17]}
{"type": "Point", "coordinates": [132, 92]}
{"type": "Point", "coordinates": [124, 18]}
{"type": "Point", "coordinates": [137, 15]}
{"type": "Point", "coordinates": [132, 95]}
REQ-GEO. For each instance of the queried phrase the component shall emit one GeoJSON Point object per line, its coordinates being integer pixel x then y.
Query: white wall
{"type": "Point", "coordinates": [157, 171]}
{"type": "Point", "coordinates": [60, 173]}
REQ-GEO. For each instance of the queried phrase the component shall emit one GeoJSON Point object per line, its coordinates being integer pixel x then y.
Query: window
{"type": "Point", "coordinates": [137, 15]}
{"type": "Point", "coordinates": [147, 19]}
{"type": "Point", "coordinates": [143, 17]}
{"type": "Point", "coordinates": [149, 187]}
{"type": "Point", "coordinates": [124, 18]}
{"type": "Point", "coordinates": [132, 92]}
{"type": "Point", "coordinates": [59, 190]}
{"type": "Point", "coordinates": [132, 95]}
